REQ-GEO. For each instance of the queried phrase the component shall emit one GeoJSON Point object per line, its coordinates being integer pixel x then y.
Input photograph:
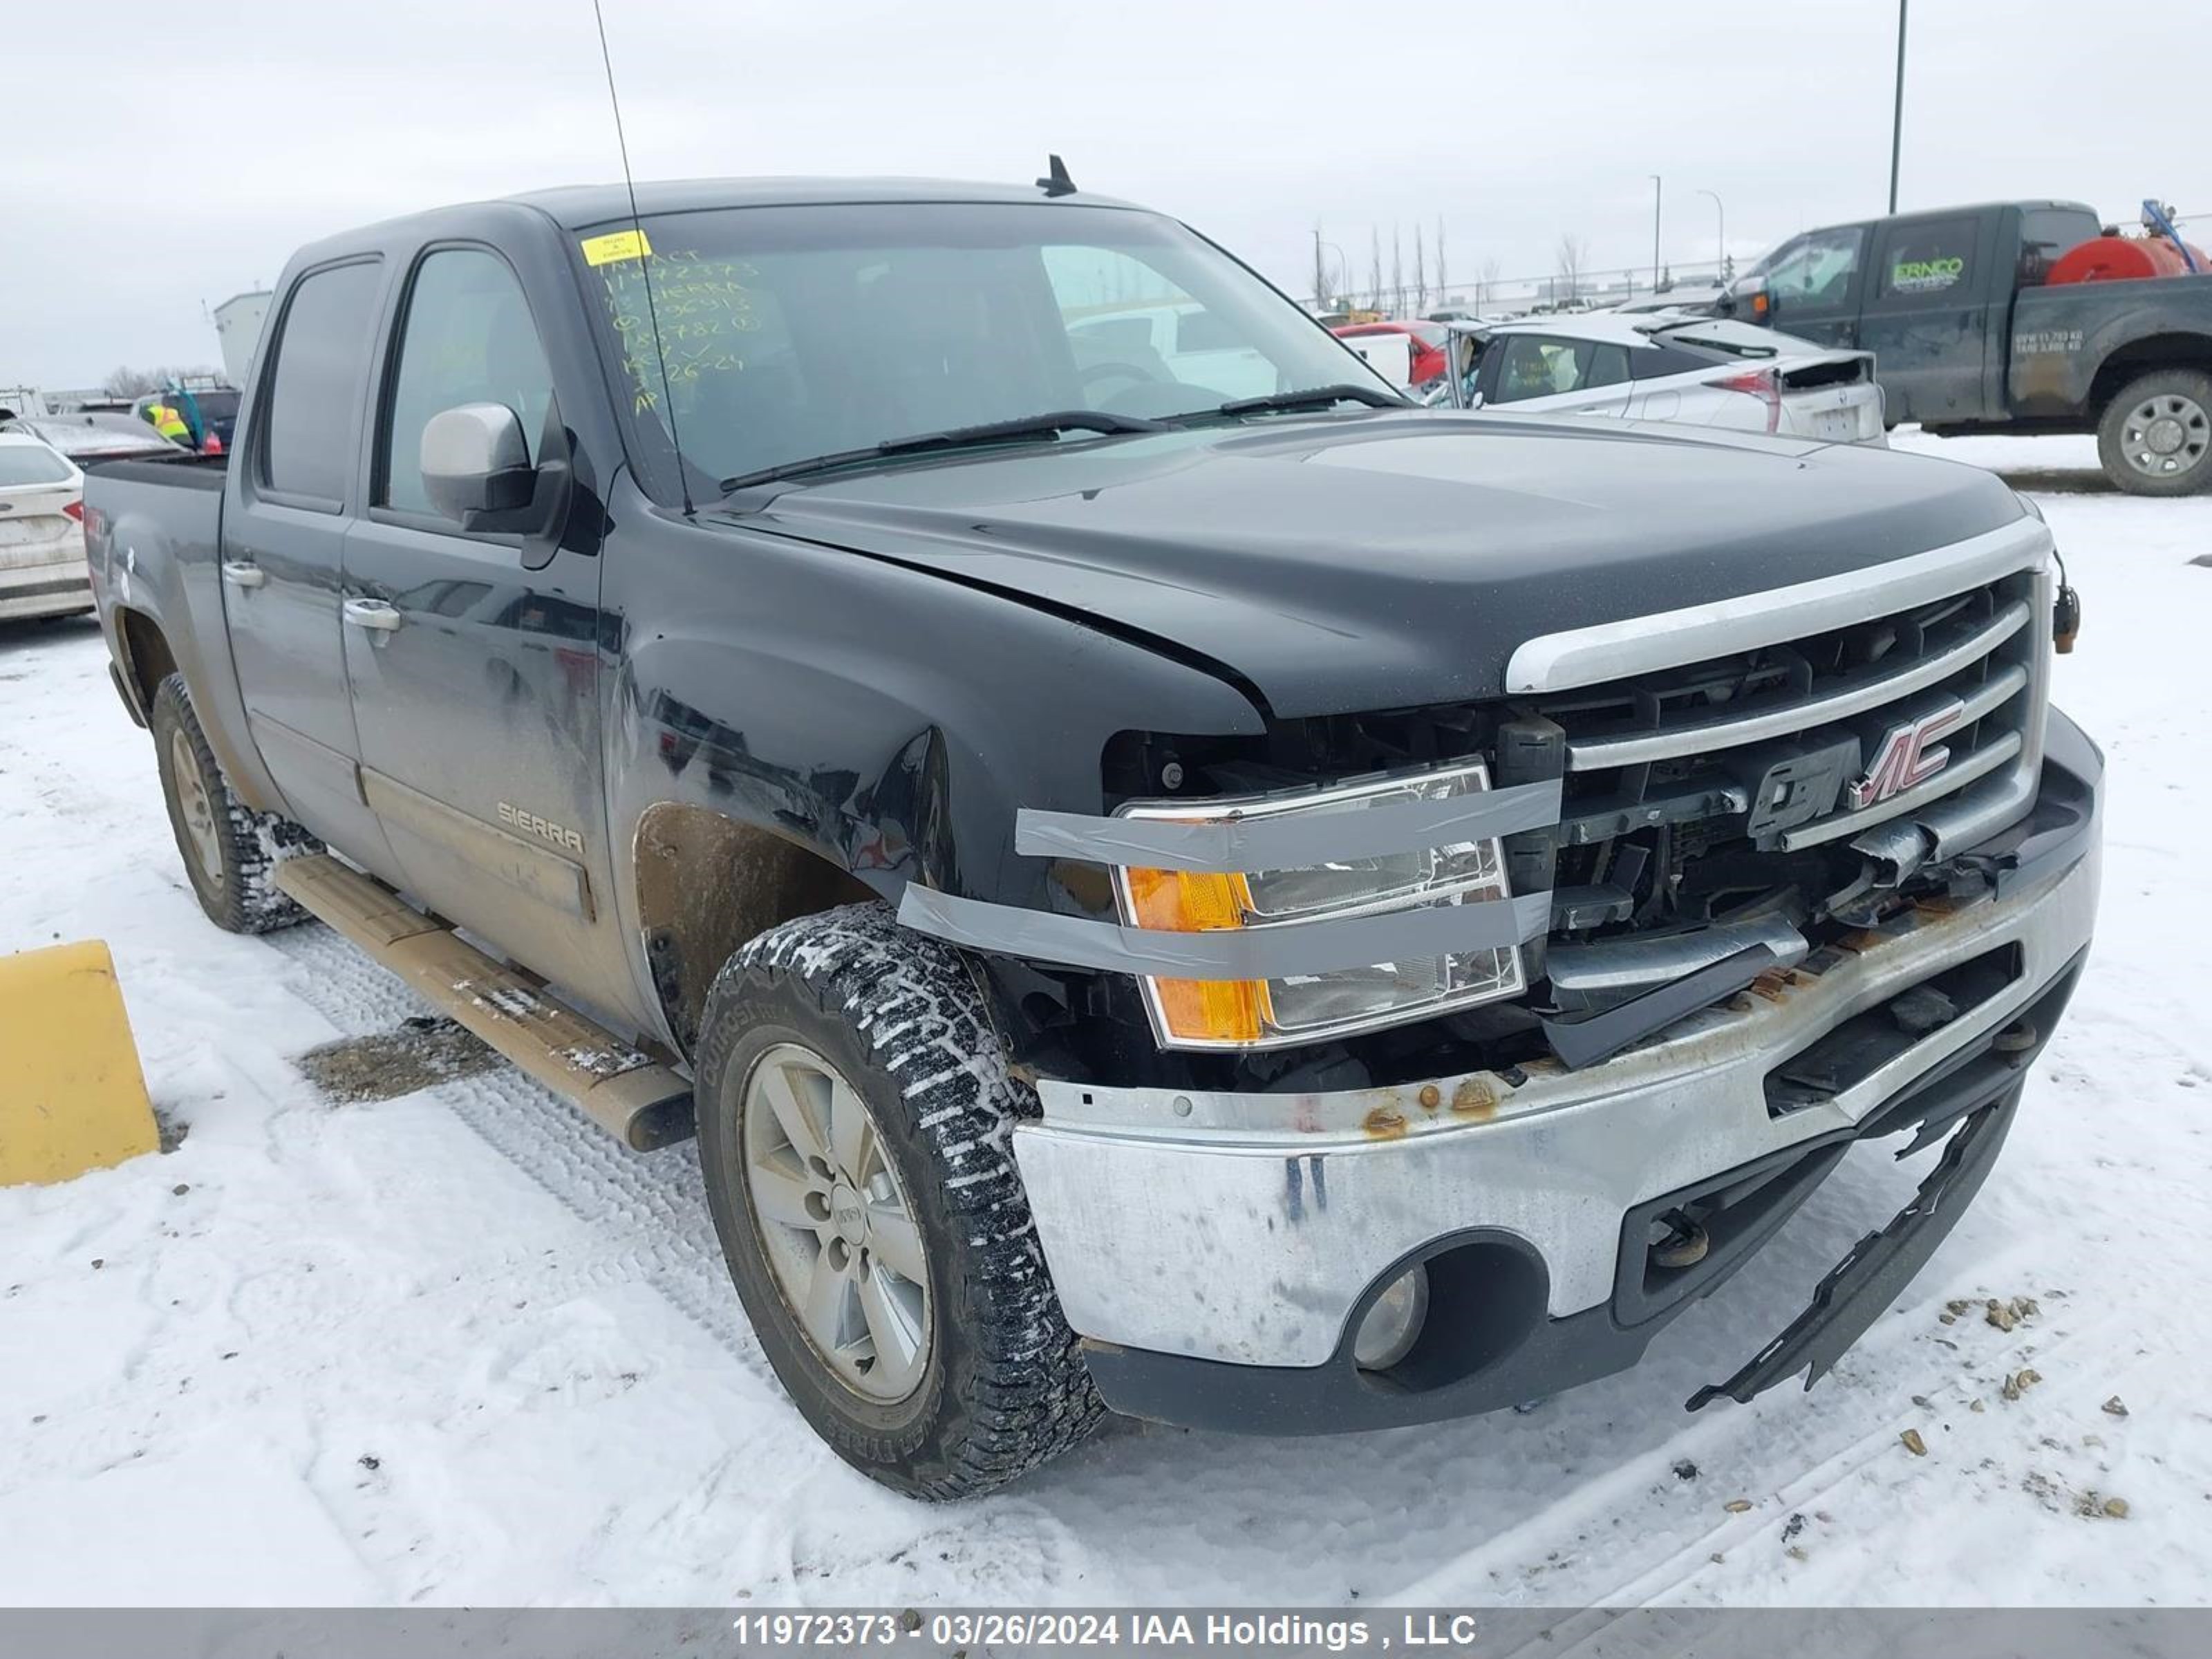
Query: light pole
{"type": "Point", "coordinates": [1720, 236]}
{"type": "Point", "coordinates": [1897, 118]}
{"type": "Point", "coordinates": [1320, 271]}
{"type": "Point", "coordinates": [1657, 189]}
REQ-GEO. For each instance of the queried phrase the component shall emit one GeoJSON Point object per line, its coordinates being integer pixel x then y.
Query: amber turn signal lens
{"type": "Point", "coordinates": [1197, 902]}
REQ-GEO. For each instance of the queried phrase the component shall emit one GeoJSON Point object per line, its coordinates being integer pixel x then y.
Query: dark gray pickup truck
{"type": "Point", "coordinates": [1162, 875]}
{"type": "Point", "coordinates": [1968, 337]}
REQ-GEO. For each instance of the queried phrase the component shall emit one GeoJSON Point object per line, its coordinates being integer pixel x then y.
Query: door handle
{"type": "Point", "coordinates": [371, 613]}
{"type": "Point", "coordinates": [243, 573]}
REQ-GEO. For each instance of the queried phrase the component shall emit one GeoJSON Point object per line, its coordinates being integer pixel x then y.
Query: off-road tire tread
{"type": "Point", "coordinates": [254, 843]}
{"type": "Point", "coordinates": [915, 1008]}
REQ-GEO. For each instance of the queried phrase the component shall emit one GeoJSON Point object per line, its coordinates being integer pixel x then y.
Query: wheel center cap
{"type": "Point", "coordinates": [845, 1214]}
{"type": "Point", "coordinates": [2165, 435]}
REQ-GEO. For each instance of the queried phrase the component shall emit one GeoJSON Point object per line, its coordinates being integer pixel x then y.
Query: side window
{"type": "Point", "coordinates": [1608, 366]}
{"type": "Point", "coordinates": [1925, 259]}
{"type": "Point", "coordinates": [2046, 232]}
{"type": "Point", "coordinates": [322, 359]}
{"type": "Point", "coordinates": [1815, 273]}
{"type": "Point", "coordinates": [1535, 366]}
{"type": "Point", "coordinates": [467, 339]}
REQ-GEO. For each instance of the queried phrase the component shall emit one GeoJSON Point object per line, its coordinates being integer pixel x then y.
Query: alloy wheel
{"type": "Point", "coordinates": [841, 1238]}
{"type": "Point", "coordinates": [194, 807]}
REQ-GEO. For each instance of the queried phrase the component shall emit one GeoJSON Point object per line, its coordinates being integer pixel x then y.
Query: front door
{"type": "Point", "coordinates": [1812, 283]}
{"type": "Point", "coordinates": [1926, 318]}
{"type": "Point", "coordinates": [284, 530]}
{"type": "Point", "coordinates": [474, 673]}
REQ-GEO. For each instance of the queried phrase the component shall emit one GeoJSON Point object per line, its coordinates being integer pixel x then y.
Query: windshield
{"type": "Point", "coordinates": [794, 332]}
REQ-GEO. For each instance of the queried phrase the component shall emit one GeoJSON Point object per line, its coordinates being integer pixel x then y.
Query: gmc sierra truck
{"type": "Point", "coordinates": [1282, 911]}
{"type": "Point", "coordinates": [1969, 335]}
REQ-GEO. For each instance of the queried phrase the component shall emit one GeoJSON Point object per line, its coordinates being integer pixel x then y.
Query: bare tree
{"type": "Point", "coordinates": [1443, 276]}
{"type": "Point", "coordinates": [1397, 274]}
{"type": "Point", "coordinates": [1420, 268]}
{"type": "Point", "coordinates": [1320, 271]}
{"type": "Point", "coordinates": [1374, 268]}
{"type": "Point", "coordinates": [127, 382]}
{"type": "Point", "coordinates": [1573, 258]}
{"type": "Point", "coordinates": [1491, 270]}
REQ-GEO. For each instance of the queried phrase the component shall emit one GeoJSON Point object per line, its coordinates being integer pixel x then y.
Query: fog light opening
{"type": "Point", "coordinates": [1389, 1328]}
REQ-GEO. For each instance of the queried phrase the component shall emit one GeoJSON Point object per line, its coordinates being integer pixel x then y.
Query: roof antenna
{"type": "Point", "coordinates": [644, 260]}
{"type": "Point", "coordinates": [1056, 181]}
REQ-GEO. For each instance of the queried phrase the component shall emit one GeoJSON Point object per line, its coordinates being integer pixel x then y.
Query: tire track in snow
{"type": "Point", "coordinates": [649, 1208]}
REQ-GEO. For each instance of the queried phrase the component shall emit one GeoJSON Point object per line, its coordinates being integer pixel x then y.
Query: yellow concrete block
{"type": "Point", "coordinates": [72, 1097]}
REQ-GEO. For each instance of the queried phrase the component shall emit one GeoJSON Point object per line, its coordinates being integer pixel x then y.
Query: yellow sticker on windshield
{"type": "Point", "coordinates": [615, 244]}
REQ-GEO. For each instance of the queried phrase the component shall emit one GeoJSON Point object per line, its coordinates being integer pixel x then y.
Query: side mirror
{"type": "Point", "coordinates": [474, 459]}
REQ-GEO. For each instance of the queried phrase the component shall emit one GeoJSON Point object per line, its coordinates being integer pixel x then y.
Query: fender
{"type": "Point", "coordinates": [776, 742]}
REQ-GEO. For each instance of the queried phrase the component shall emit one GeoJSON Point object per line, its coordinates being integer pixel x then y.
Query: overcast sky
{"type": "Point", "coordinates": [158, 161]}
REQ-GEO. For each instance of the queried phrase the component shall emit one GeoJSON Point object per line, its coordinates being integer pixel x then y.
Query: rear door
{"type": "Point", "coordinates": [283, 532]}
{"type": "Point", "coordinates": [1927, 316]}
{"type": "Point", "coordinates": [1549, 374]}
{"type": "Point", "coordinates": [473, 657]}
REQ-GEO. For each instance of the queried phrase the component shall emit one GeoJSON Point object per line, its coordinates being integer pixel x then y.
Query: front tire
{"type": "Point", "coordinates": [854, 1118]}
{"type": "Point", "coordinates": [230, 852]}
{"type": "Point", "coordinates": [2154, 438]}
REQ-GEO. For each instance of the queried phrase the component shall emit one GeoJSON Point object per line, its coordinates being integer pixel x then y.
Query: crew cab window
{"type": "Point", "coordinates": [1930, 258]}
{"type": "Point", "coordinates": [315, 384]}
{"type": "Point", "coordinates": [1815, 271]}
{"type": "Point", "coordinates": [1539, 366]}
{"type": "Point", "coordinates": [468, 339]}
{"type": "Point", "coordinates": [2046, 232]}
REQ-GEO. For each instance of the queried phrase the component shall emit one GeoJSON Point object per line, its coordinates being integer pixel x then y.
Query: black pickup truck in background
{"type": "Point", "coordinates": [1228, 904]}
{"type": "Point", "coordinates": [1968, 337]}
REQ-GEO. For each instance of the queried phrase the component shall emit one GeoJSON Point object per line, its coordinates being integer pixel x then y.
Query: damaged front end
{"type": "Point", "coordinates": [1702, 900]}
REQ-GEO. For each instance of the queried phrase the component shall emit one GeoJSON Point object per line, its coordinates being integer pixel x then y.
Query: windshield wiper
{"type": "Point", "coordinates": [957, 437]}
{"type": "Point", "coordinates": [1314, 397]}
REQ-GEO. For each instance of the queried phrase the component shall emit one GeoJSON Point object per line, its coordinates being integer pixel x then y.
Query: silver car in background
{"type": "Point", "coordinates": [1697, 371]}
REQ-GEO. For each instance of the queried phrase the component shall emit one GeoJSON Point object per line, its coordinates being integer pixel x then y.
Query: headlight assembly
{"type": "Point", "coordinates": [1273, 1012]}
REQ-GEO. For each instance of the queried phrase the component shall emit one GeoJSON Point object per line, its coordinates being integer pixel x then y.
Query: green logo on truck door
{"type": "Point", "coordinates": [1925, 276]}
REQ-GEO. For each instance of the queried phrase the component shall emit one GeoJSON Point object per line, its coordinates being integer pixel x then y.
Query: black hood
{"type": "Point", "coordinates": [1395, 558]}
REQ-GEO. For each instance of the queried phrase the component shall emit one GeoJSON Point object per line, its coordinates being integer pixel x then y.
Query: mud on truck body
{"type": "Point", "coordinates": [1289, 913]}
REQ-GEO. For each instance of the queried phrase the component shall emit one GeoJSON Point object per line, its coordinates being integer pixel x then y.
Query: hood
{"type": "Point", "coordinates": [1390, 559]}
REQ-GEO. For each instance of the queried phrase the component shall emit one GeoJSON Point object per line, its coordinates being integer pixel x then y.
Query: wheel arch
{"type": "Point", "coordinates": [2143, 355]}
{"type": "Point", "coordinates": [146, 658]}
{"type": "Point", "coordinates": [705, 884]}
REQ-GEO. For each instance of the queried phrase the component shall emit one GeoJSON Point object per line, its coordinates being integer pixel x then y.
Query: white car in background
{"type": "Point", "coordinates": [1178, 341]}
{"type": "Point", "coordinates": [42, 567]}
{"type": "Point", "coordinates": [1697, 371]}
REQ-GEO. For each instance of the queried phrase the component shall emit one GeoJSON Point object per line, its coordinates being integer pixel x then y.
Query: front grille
{"type": "Point", "coordinates": [1725, 787]}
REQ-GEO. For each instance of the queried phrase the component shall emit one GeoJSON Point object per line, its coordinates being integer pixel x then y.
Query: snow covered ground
{"type": "Point", "coordinates": [457, 1347]}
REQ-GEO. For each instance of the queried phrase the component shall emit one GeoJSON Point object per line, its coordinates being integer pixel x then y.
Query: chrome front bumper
{"type": "Point", "coordinates": [1249, 1228]}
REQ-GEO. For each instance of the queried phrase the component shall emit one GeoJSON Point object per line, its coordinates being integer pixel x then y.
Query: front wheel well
{"type": "Point", "coordinates": [705, 884]}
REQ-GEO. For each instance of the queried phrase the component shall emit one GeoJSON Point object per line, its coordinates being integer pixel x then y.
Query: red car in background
{"type": "Point", "coordinates": [1425, 340]}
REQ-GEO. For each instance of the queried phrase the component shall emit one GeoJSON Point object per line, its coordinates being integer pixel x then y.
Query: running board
{"type": "Point", "coordinates": [639, 1101]}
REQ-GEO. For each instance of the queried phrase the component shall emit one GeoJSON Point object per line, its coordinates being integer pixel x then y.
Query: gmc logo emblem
{"type": "Point", "coordinates": [1909, 755]}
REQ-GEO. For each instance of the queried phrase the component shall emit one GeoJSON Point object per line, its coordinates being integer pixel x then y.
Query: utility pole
{"type": "Point", "coordinates": [1656, 188]}
{"type": "Point", "coordinates": [1897, 120]}
{"type": "Point", "coordinates": [1720, 234]}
